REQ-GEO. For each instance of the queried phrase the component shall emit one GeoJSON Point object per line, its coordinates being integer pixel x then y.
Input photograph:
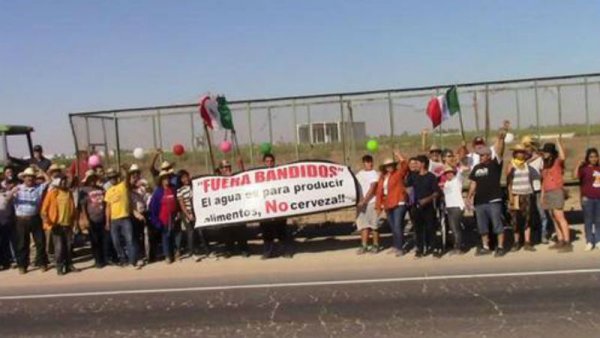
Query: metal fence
{"type": "Point", "coordinates": [538, 106]}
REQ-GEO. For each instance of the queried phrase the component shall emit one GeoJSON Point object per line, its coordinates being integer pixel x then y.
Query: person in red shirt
{"type": "Point", "coordinates": [588, 173]}
{"type": "Point", "coordinates": [163, 211]}
{"type": "Point", "coordinates": [553, 195]}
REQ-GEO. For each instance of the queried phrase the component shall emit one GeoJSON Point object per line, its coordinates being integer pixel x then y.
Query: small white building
{"type": "Point", "coordinates": [330, 132]}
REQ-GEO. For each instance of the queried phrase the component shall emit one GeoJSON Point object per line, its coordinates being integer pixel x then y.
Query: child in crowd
{"type": "Point", "coordinates": [366, 221]}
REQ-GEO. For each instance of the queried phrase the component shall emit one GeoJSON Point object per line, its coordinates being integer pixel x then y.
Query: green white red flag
{"type": "Point", "coordinates": [441, 107]}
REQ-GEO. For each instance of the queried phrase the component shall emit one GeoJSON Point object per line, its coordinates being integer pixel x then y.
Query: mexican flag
{"type": "Point", "coordinates": [215, 112]}
{"type": "Point", "coordinates": [440, 108]}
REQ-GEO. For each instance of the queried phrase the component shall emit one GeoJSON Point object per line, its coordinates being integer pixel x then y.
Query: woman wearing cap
{"type": "Point", "coordinates": [588, 173]}
{"type": "Point", "coordinates": [553, 194]}
{"type": "Point", "coordinates": [390, 196]}
{"type": "Point", "coordinates": [93, 208]}
{"type": "Point", "coordinates": [455, 205]}
{"type": "Point", "coordinates": [520, 179]}
{"type": "Point", "coordinates": [163, 213]}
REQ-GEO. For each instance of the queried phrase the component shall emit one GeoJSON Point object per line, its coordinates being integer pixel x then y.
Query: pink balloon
{"type": "Point", "coordinates": [94, 161]}
{"type": "Point", "coordinates": [225, 146]}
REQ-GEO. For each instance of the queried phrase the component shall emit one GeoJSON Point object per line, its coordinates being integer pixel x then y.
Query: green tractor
{"type": "Point", "coordinates": [9, 137]}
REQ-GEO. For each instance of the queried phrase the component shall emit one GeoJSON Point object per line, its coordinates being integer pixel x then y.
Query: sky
{"type": "Point", "coordinates": [58, 57]}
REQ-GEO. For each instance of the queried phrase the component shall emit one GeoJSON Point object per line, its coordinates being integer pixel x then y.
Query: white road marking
{"type": "Point", "coordinates": [300, 284]}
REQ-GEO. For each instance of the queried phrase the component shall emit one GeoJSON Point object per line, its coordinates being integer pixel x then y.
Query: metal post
{"type": "Point", "coordinates": [160, 139]}
{"type": "Point", "coordinates": [440, 135]}
{"type": "Point", "coordinates": [518, 109]}
{"type": "Point", "coordinates": [352, 136]}
{"type": "Point", "coordinates": [104, 138]}
{"type": "Point", "coordinates": [154, 132]}
{"type": "Point", "coordinates": [192, 138]}
{"type": "Point", "coordinates": [343, 136]}
{"type": "Point", "coordinates": [537, 109]}
{"type": "Point", "coordinates": [296, 129]}
{"type": "Point", "coordinates": [391, 113]}
{"type": "Point", "coordinates": [487, 112]}
{"type": "Point", "coordinates": [270, 117]}
{"type": "Point", "coordinates": [587, 112]}
{"type": "Point", "coordinates": [87, 132]}
{"type": "Point", "coordinates": [249, 113]}
{"type": "Point", "coordinates": [558, 98]}
{"type": "Point", "coordinates": [118, 142]}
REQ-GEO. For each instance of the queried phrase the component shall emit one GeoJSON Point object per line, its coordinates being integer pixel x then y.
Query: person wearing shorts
{"type": "Point", "coordinates": [366, 221]}
{"type": "Point", "coordinates": [485, 194]}
{"type": "Point", "coordinates": [553, 195]}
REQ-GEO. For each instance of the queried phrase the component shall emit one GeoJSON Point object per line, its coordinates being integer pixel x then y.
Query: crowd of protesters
{"type": "Point", "coordinates": [130, 223]}
{"type": "Point", "coordinates": [428, 190]}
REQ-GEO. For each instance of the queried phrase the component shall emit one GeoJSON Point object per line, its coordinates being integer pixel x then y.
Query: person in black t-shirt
{"type": "Point", "coordinates": [426, 190]}
{"type": "Point", "coordinates": [486, 195]}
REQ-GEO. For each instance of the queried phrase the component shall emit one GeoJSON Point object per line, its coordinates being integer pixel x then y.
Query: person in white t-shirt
{"type": "Point", "coordinates": [455, 205]}
{"type": "Point", "coordinates": [366, 221]}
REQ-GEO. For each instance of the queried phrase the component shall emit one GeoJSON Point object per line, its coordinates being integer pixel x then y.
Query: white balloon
{"type": "Point", "coordinates": [138, 153]}
{"type": "Point", "coordinates": [111, 153]}
{"type": "Point", "coordinates": [101, 153]}
{"type": "Point", "coordinates": [509, 137]}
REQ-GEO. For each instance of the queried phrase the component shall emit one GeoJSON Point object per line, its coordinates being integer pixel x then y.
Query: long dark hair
{"type": "Point", "coordinates": [588, 153]}
{"type": "Point", "coordinates": [550, 148]}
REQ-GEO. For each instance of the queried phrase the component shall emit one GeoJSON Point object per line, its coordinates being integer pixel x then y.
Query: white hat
{"type": "Point", "coordinates": [27, 172]}
{"type": "Point", "coordinates": [388, 162]}
{"type": "Point", "coordinates": [166, 165]}
{"type": "Point", "coordinates": [89, 174]}
{"type": "Point", "coordinates": [165, 173]}
{"type": "Point", "coordinates": [134, 168]}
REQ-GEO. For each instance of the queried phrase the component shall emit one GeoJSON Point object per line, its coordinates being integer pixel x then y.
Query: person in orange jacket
{"type": "Point", "coordinates": [391, 196]}
{"type": "Point", "coordinates": [59, 212]}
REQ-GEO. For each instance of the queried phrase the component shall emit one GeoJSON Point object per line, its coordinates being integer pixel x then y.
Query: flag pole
{"type": "Point", "coordinates": [237, 149]}
{"type": "Point", "coordinates": [212, 156]}
{"type": "Point", "coordinates": [462, 128]}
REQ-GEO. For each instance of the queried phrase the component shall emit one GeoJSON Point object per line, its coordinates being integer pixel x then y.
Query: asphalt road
{"type": "Point", "coordinates": [557, 305]}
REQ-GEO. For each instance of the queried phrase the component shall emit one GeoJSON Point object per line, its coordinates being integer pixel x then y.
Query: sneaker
{"type": "Point", "coordinates": [72, 268]}
{"type": "Point", "coordinates": [375, 249]}
{"type": "Point", "coordinates": [483, 251]}
{"type": "Point", "coordinates": [400, 253]}
{"type": "Point", "coordinates": [556, 245]}
{"type": "Point", "coordinates": [22, 270]}
{"type": "Point", "coordinates": [545, 240]}
{"type": "Point", "coordinates": [362, 250]}
{"type": "Point", "coordinates": [529, 247]}
{"type": "Point", "coordinates": [418, 254]}
{"type": "Point", "coordinates": [500, 252]}
{"type": "Point", "coordinates": [44, 268]}
{"type": "Point", "coordinates": [516, 247]}
{"type": "Point", "coordinates": [567, 247]}
{"type": "Point", "coordinates": [589, 247]}
{"type": "Point", "coordinates": [178, 256]}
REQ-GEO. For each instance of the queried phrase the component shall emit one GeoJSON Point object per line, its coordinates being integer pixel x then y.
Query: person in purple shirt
{"type": "Point", "coordinates": [588, 173]}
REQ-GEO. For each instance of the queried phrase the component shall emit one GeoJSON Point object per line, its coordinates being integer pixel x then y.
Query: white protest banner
{"type": "Point", "coordinates": [288, 190]}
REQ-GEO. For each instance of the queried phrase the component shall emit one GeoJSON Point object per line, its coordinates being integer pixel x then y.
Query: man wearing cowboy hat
{"type": "Point", "coordinates": [27, 201]}
{"type": "Point", "coordinates": [118, 220]}
{"type": "Point", "coordinates": [138, 205]}
{"type": "Point", "coordinates": [235, 233]}
{"type": "Point", "coordinates": [93, 208]}
{"type": "Point", "coordinates": [536, 161]}
{"type": "Point", "coordinates": [473, 158]}
{"type": "Point", "coordinates": [520, 180]}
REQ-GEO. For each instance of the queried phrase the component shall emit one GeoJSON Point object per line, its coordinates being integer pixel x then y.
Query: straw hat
{"type": "Point", "coordinates": [387, 162]}
{"type": "Point", "coordinates": [518, 148]}
{"type": "Point", "coordinates": [134, 169]}
{"type": "Point", "coordinates": [449, 169]}
{"type": "Point", "coordinates": [224, 163]}
{"type": "Point", "coordinates": [164, 173]}
{"type": "Point", "coordinates": [27, 172]}
{"type": "Point", "coordinates": [111, 173]}
{"type": "Point", "coordinates": [56, 167]}
{"type": "Point", "coordinates": [89, 174]}
{"type": "Point", "coordinates": [435, 149]}
{"type": "Point", "coordinates": [166, 165]}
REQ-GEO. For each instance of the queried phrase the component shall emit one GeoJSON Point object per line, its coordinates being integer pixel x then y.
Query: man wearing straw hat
{"type": "Point", "coordinates": [27, 201]}
{"type": "Point", "coordinates": [520, 180]}
{"type": "Point", "coordinates": [117, 217]}
{"type": "Point", "coordinates": [93, 208]}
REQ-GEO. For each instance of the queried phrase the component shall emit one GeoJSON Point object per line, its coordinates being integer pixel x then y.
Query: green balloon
{"type": "Point", "coordinates": [372, 145]}
{"type": "Point", "coordinates": [265, 148]}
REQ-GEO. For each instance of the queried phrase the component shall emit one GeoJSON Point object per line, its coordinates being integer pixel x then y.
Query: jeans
{"type": "Point", "coordinates": [424, 227]}
{"type": "Point", "coordinates": [396, 221]}
{"type": "Point", "coordinates": [151, 238]}
{"type": "Point", "coordinates": [591, 219]}
{"type": "Point", "coordinates": [25, 227]}
{"type": "Point", "coordinates": [191, 233]}
{"type": "Point", "coordinates": [61, 237]}
{"type": "Point", "coordinates": [100, 242]}
{"type": "Point", "coordinates": [489, 213]}
{"type": "Point", "coordinates": [168, 235]}
{"type": "Point", "coordinates": [6, 234]}
{"type": "Point", "coordinates": [455, 216]}
{"type": "Point", "coordinates": [122, 227]}
{"type": "Point", "coordinates": [542, 214]}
